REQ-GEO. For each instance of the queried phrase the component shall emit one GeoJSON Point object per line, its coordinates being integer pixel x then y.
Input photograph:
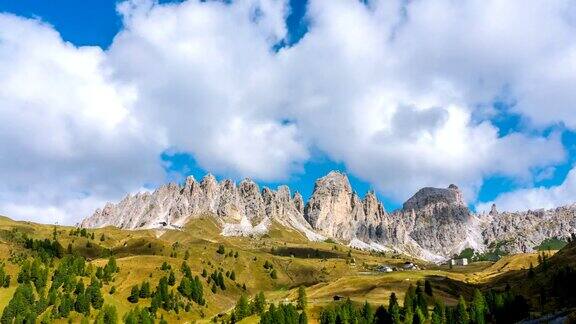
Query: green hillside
{"type": "Point", "coordinates": [196, 275]}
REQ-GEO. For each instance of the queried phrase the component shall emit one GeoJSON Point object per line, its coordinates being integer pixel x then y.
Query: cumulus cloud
{"type": "Point", "coordinates": [398, 108]}
{"type": "Point", "coordinates": [68, 139]}
{"type": "Point", "coordinates": [206, 75]}
{"type": "Point", "coordinates": [397, 91]}
{"type": "Point", "coordinates": [536, 198]}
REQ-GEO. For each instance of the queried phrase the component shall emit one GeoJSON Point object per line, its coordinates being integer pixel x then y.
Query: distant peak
{"type": "Point", "coordinates": [430, 195]}
{"type": "Point", "coordinates": [209, 177]}
{"type": "Point", "coordinates": [190, 180]}
{"type": "Point", "coordinates": [493, 210]}
{"type": "Point", "coordinates": [334, 179]}
{"type": "Point", "coordinates": [335, 174]}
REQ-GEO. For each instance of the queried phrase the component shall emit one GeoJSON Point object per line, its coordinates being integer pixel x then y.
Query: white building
{"type": "Point", "coordinates": [459, 262]}
{"type": "Point", "coordinates": [409, 266]}
{"type": "Point", "coordinates": [384, 268]}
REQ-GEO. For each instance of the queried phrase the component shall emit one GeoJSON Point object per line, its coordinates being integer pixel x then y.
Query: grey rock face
{"type": "Point", "coordinates": [433, 197]}
{"type": "Point", "coordinates": [336, 211]}
{"type": "Point", "coordinates": [522, 231]}
{"type": "Point", "coordinates": [437, 220]}
{"type": "Point", "coordinates": [433, 224]}
{"type": "Point", "coordinates": [240, 209]}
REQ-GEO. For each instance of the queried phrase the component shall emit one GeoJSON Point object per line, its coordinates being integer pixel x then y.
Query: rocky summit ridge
{"type": "Point", "coordinates": [434, 224]}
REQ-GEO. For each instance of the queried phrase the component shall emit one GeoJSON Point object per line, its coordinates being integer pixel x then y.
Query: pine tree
{"type": "Point", "coordinates": [6, 282]}
{"type": "Point", "coordinates": [233, 275]}
{"type": "Point", "coordinates": [242, 308]}
{"type": "Point", "coordinates": [165, 266]}
{"type": "Point", "coordinates": [82, 304]}
{"type": "Point", "coordinates": [155, 303]}
{"type": "Point", "coordinates": [273, 274]}
{"type": "Point", "coordinates": [479, 307]}
{"type": "Point", "coordinates": [220, 281]}
{"type": "Point", "coordinates": [394, 309]}
{"type": "Point", "coordinates": [108, 315]}
{"type": "Point", "coordinates": [185, 287]}
{"type": "Point", "coordinates": [367, 313]}
{"type": "Point", "coordinates": [428, 288]}
{"type": "Point", "coordinates": [327, 316]}
{"type": "Point", "coordinates": [408, 316]}
{"type": "Point", "coordinates": [66, 305]}
{"type": "Point", "coordinates": [171, 278]}
{"type": "Point", "coordinates": [439, 313]}
{"type": "Point", "coordinates": [461, 314]}
{"type": "Point", "coordinates": [185, 269]}
{"type": "Point", "coordinates": [420, 301]}
{"type": "Point", "coordinates": [419, 317]}
{"type": "Point", "coordinates": [259, 303]}
{"type": "Point", "coordinates": [144, 290]}
{"type": "Point", "coordinates": [96, 298]}
{"type": "Point", "coordinates": [303, 319]}
{"type": "Point", "coordinates": [302, 299]}
{"type": "Point", "coordinates": [221, 249]}
{"type": "Point", "coordinates": [198, 291]}
{"type": "Point", "coordinates": [409, 299]}
{"type": "Point", "coordinates": [134, 294]}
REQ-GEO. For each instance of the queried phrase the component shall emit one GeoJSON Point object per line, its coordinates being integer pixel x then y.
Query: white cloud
{"type": "Point", "coordinates": [68, 139]}
{"type": "Point", "coordinates": [206, 75]}
{"type": "Point", "coordinates": [394, 101]}
{"type": "Point", "coordinates": [536, 198]}
{"type": "Point", "coordinates": [395, 90]}
{"type": "Point", "coordinates": [357, 87]}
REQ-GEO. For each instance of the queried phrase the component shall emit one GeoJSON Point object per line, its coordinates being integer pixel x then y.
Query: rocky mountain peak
{"type": "Point", "coordinates": [451, 196]}
{"type": "Point", "coordinates": [493, 210]}
{"type": "Point", "coordinates": [335, 210]}
{"type": "Point", "coordinates": [209, 183]}
{"type": "Point", "coordinates": [190, 181]}
{"type": "Point", "coordinates": [433, 224]}
{"type": "Point", "coordinates": [299, 202]}
{"type": "Point", "coordinates": [332, 182]}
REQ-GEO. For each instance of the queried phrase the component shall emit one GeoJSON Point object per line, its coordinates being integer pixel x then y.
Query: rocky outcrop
{"type": "Point", "coordinates": [241, 210]}
{"type": "Point", "coordinates": [522, 231]}
{"type": "Point", "coordinates": [437, 220]}
{"type": "Point", "coordinates": [334, 209]}
{"type": "Point", "coordinates": [431, 197]}
{"type": "Point", "coordinates": [433, 224]}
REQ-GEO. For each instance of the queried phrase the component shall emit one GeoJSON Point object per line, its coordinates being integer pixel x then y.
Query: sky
{"type": "Point", "coordinates": [99, 99]}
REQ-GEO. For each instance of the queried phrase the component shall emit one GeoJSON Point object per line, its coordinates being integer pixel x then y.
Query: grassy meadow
{"type": "Point", "coordinates": [325, 269]}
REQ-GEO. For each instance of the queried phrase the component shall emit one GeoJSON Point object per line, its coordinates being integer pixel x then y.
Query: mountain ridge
{"type": "Point", "coordinates": [434, 224]}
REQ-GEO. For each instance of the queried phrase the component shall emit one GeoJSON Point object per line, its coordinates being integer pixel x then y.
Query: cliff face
{"type": "Point", "coordinates": [336, 211]}
{"type": "Point", "coordinates": [438, 220]}
{"type": "Point", "coordinates": [521, 231]}
{"type": "Point", "coordinates": [241, 210]}
{"type": "Point", "coordinates": [433, 224]}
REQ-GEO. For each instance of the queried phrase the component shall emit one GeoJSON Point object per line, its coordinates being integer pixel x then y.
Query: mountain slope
{"type": "Point", "coordinates": [434, 224]}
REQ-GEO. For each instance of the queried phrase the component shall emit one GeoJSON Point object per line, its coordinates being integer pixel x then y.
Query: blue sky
{"type": "Point", "coordinates": [97, 22]}
{"type": "Point", "coordinates": [399, 95]}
